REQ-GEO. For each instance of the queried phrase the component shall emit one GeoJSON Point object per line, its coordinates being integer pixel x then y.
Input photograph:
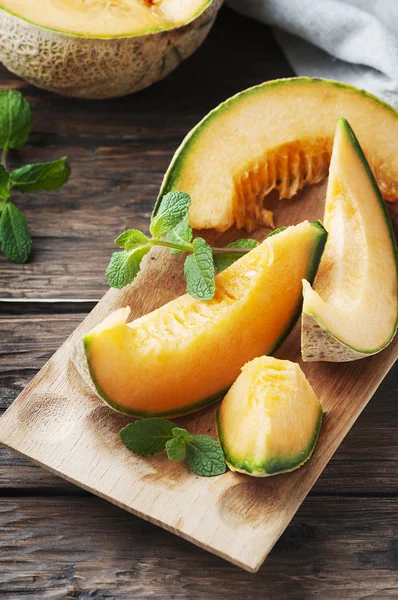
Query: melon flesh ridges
{"type": "Point", "coordinates": [277, 135]}
{"type": "Point", "coordinates": [89, 67]}
{"type": "Point", "coordinates": [185, 354]}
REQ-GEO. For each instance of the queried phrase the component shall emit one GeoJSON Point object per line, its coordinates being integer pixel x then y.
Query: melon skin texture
{"type": "Point", "coordinates": [186, 354]}
{"type": "Point", "coordinates": [269, 421]}
{"type": "Point", "coordinates": [98, 67]}
{"type": "Point", "coordinates": [352, 310]}
{"type": "Point", "coordinates": [276, 136]}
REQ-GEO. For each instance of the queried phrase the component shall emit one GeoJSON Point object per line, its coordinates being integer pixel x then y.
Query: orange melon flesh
{"type": "Point", "coordinates": [105, 18]}
{"type": "Point", "coordinates": [187, 353]}
{"type": "Point", "coordinates": [276, 136]}
{"type": "Point", "coordinates": [269, 421]}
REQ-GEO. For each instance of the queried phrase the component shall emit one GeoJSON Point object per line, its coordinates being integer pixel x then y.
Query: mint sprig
{"type": "Point", "coordinates": [223, 261]}
{"type": "Point", "coordinates": [199, 271]}
{"type": "Point", "coordinates": [15, 126]}
{"type": "Point", "coordinates": [151, 436]}
{"type": "Point", "coordinates": [170, 227]}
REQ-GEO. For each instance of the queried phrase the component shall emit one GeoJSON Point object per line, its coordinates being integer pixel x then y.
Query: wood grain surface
{"type": "Point", "coordinates": [56, 540]}
{"type": "Point", "coordinates": [60, 424]}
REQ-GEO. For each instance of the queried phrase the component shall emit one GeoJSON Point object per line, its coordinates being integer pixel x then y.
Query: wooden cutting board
{"type": "Point", "coordinates": [57, 422]}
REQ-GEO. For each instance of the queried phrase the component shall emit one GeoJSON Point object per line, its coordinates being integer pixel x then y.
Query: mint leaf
{"type": "Point", "coordinates": [181, 234]}
{"type": "Point", "coordinates": [131, 238]}
{"type": "Point", "coordinates": [176, 448]}
{"type": "Point", "coordinates": [223, 261]}
{"type": "Point", "coordinates": [41, 176]}
{"type": "Point", "coordinates": [178, 432]}
{"type": "Point", "coordinates": [15, 238]}
{"type": "Point", "coordinates": [173, 208]}
{"type": "Point", "coordinates": [4, 183]}
{"type": "Point", "coordinates": [15, 119]}
{"type": "Point", "coordinates": [125, 266]}
{"type": "Point", "coordinates": [205, 456]}
{"type": "Point", "coordinates": [279, 230]}
{"type": "Point", "coordinates": [199, 271]}
{"type": "Point", "coordinates": [147, 436]}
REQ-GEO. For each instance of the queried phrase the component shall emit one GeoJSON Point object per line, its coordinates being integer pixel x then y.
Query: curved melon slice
{"type": "Point", "coordinates": [269, 421]}
{"type": "Point", "coordinates": [100, 48]}
{"type": "Point", "coordinates": [185, 355]}
{"type": "Point", "coordinates": [352, 311]}
{"type": "Point", "coordinates": [277, 135]}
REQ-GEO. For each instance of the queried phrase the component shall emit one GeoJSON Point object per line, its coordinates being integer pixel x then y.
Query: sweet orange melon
{"type": "Point", "coordinates": [100, 48]}
{"type": "Point", "coordinates": [185, 355]}
{"type": "Point", "coordinates": [269, 421]}
{"type": "Point", "coordinates": [276, 136]}
{"type": "Point", "coordinates": [352, 311]}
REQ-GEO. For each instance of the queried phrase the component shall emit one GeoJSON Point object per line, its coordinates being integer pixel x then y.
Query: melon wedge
{"type": "Point", "coordinates": [100, 48]}
{"type": "Point", "coordinates": [352, 311]}
{"type": "Point", "coordinates": [269, 421]}
{"type": "Point", "coordinates": [186, 354]}
{"type": "Point", "coordinates": [276, 136]}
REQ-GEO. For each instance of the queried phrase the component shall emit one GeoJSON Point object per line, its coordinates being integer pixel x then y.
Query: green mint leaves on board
{"type": "Point", "coordinates": [15, 126]}
{"type": "Point", "coordinates": [223, 261]}
{"type": "Point", "coordinates": [172, 211]}
{"type": "Point", "coordinates": [181, 235]}
{"type": "Point", "coordinates": [199, 271]}
{"type": "Point", "coordinates": [151, 436]}
{"type": "Point", "coordinates": [170, 227]}
{"type": "Point", "coordinates": [125, 265]}
{"type": "Point", "coordinates": [148, 436]}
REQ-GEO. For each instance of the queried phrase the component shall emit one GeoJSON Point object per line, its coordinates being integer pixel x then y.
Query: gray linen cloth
{"type": "Point", "coordinates": [354, 41]}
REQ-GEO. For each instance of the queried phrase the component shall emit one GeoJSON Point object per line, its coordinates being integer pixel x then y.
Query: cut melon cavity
{"type": "Point", "coordinates": [352, 311]}
{"type": "Point", "coordinates": [106, 18]}
{"type": "Point", "coordinates": [186, 354]}
{"type": "Point", "coordinates": [269, 421]}
{"type": "Point", "coordinates": [276, 136]}
{"type": "Point", "coordinates": [100, 48]}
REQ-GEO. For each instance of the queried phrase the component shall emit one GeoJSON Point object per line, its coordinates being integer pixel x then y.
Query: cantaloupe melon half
{"type": "Point", "coordinates": [100, 48]}
{"type": "Point", "coordinates": [352, 311]}
{"type": "Point", "coordinates": [269, 421]}
{"type": "Point", "coordinates": [277, 135]}
{"type": "Point", "coordinates": [187, 353]}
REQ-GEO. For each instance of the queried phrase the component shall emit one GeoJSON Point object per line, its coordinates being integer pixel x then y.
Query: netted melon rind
{"type": "Point", "coordinates": [85, 67]}
{"type": "Point", "coordinates": [317, 344]}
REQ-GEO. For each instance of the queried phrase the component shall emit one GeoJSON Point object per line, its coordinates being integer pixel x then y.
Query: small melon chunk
{"type": "Point", "coordinates": [276, 136]}
{"type": "Point", "coordinates": [269, 421]}
{"type": "Point", "coordinates": [187, 353]}
{"type": "Point", "coordinates": [352, 311]}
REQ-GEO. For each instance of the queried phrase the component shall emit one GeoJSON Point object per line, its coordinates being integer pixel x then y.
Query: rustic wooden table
{"type": "Point", "coordinates": [56, 540]}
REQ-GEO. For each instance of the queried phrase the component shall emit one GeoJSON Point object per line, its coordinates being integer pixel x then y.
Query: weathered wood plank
{"type": "Point", "coordinates": [80, 548]}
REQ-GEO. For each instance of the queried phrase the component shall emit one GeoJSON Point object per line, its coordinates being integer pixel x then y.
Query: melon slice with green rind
{"type": "Point", "coordinates": [352, 312]}
{"type": "Point", "coordinates": [276, 136]}
{"type": "Point", "coordinates": [269, 421]}
{"type": "Point", "coordinates": [186, 354]}
{"type": "Point", "coordinates": [100, 49]}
